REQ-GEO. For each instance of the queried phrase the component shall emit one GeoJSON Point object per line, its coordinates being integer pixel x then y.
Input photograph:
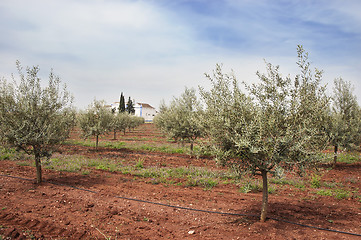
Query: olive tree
{"type": "Point", "coordinates": [345, 127]}
{"type": "Point", "coordinates": [179, 120]}
{"type": "Point", "coordinates": [124, 121]}
{"type": "Point", "coordinates": [278, 123]}
{"type": "Point", "coordinates": [135, 121]}
{"type": "Point", "coordinates": [33, 117]}
{"type": "Point", "coordinates": [96, 120]}
{"type": "Point", "coordinates": [120, 122]}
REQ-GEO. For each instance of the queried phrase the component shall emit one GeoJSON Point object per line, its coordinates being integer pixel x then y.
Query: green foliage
{"type": "Point", "coordinates": [345, 126]}
{"type": "Point", "coordinates": [346, 121]}
{"type": "Point", "coordinates": [96, 120]}
{"type": "Point", "coordinates": [254, 187]}
{"type": "Point", "coordinates": [139, 164]}
{"type": "Point", "coordinates": [35, 118]}
{"type": "Point", "coordinates": [124, 121]}
{"type": "Point", "coordinates": [277, 123]}
{"type": "Point", "coordinates": [336, 193]}
{"type": "Point", "coordinates": [8, 153]}
{"type": "Point", "coordinates": [251, 187]}
{"type": "Point", "coordinates": [325, 192]}
{"type": "Point", "coordinates": [135, 121]}
{"type": "Point", "coordinates": [180, 120]}
{"type": "Point", "coordinates": [315, 181]}
{"type": "Point", "coordinates": [206, 182]}
{"type": "Point", "coordinates": [120, 122]}
{"type": "Point", "coordinates": [348, 157]}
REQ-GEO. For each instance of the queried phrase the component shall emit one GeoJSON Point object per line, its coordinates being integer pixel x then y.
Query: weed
{"type": "Point", "coordinates": [207, 183]}
{"type": "Point", "coordinates": [341, 194]}
{"type": "Point", "coordinates": [117, 145]}
{"type": "Point", "coordinates": [315, 181]}
{"type": "Point", "coordinates": [85, 172]}
{"type": "Point", "coordinates": [23, 163]}
{"type": "Point", "coordinates": [255, 187]}
{"type": "Point", "coordinates": [348, 157]}
{"type": "Point", "coordinates": [336, 193]}
{"type": "Point", "coordinates": [139, 164]}
{"type": "Point", "coordinates": [324, 192]}
{"type": "Point", "coordinates": [251, 187]}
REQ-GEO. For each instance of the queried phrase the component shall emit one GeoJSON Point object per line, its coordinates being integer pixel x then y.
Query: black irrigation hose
{"type": "Point", "coordinates": [193, 209]}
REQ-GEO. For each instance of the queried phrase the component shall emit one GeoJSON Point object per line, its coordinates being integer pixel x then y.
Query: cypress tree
{"type": "Point", "coordinates": [121, 103]}
{"type": "Point", "coordinates": [130, 107]}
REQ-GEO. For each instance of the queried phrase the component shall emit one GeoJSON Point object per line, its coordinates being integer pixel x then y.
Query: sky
{"type": "Point", "coordinates": [152, 49]}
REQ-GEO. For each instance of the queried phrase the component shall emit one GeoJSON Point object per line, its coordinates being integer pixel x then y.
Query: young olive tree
{"type": "Point", "coordinates": [35, 118]}
{"type": "Point", "coordinates": [346, 118]}
{"type": "Point", "coordinates": [180, 120]}
{"type": "Point", "coordinates": [124, 121]}
{"type": "Point", "coordinates": [278, 124]}
{"type": "Point", "coordinates": [120, 122]}
{"type": "Point", "coordinates": [96, 120]}
{"type": "Point", "coordinates": [135, 121]}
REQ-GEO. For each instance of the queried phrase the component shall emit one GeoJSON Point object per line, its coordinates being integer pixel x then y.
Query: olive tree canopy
{"type": "Point", "coordinates": [96, 120]}
{"type": "Point", "coordinates": [35, 118]}
{"type": "Point", "coordinates": [279, 123]}
{"type": "Point", "coordinates": [179, 120]}
{"type": "Point", "coordinates": [345, 129]}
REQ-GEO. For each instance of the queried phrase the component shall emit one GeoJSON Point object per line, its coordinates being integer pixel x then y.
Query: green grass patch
{"type": "Point", "coordinates": [348, 157]}
{"type": "Point", "coordinates": [315, 181]}
{"type": "Point", "coordinates": [255, 186]}
{"type": "Point", "coordinates": [115, 145]}
{"type": "Point", "coordinates": [292, 182]}
{"type": "Point", "coordinates": [336, 193]}
{"type": "Point", "coordinates": [206, 182]}
{"type": "Point", "coordinates": [325, 192]}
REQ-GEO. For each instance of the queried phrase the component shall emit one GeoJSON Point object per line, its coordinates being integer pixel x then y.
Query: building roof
{"type": "Point", "coordinates": [146, 105]}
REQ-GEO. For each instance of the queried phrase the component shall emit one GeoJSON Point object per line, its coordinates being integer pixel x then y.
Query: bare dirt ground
{"type": "Point", "coordinates": [101, 205]}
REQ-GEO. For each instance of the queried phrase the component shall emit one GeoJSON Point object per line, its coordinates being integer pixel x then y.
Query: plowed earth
{"type": "Point", "coordinates": [101, 205]}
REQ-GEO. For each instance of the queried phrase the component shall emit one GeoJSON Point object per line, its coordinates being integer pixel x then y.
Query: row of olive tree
{"type": "Point", "coordinates": [36, 118]}
{"type": "Point", "coordinates": [276, 124]}
{"type": "Point", "coordinates": [98, 119]}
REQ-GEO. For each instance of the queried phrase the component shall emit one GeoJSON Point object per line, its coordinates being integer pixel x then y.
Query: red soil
{"type": "Point", "coordinates": [55, 210]}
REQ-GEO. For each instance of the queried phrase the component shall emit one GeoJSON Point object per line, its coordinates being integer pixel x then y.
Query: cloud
{"type": "Point", "coordinates": [151, 49]}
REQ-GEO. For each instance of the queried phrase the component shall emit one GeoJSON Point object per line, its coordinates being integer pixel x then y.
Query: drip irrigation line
{"type": "Point", "coordinates": [192, 209]}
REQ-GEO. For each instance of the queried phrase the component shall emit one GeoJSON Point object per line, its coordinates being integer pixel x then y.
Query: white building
{"type": "Point", "coordinates": [145, 111]}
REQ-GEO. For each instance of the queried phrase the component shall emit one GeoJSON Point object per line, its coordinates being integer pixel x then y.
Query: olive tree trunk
{"type": "Point", "coordinates": [38, 165]}
{"type": "Point", "coordinates": [96, 142]}
{"type": "Point", "coordinates": [264, 196]}
{"type": "Point", "coordinates": [335, 155]}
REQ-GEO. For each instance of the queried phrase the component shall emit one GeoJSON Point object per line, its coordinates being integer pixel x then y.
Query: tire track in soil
{"type": "Point", "coordinates": [15, 226]}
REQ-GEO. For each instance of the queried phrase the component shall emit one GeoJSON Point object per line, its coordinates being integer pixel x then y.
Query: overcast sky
{"type": "Point", "coordinates": [150, 50]}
